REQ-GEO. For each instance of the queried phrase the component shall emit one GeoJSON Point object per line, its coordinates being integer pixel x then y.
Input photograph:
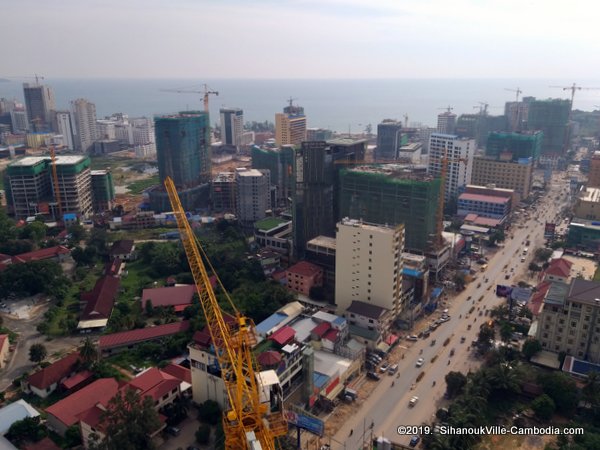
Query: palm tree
{"type": "Point", "coordinates": [88, 351]}
{"type": "Point", "coordinates": [591, 390]}
{"type": "Point", "coordinates": [504, 377]}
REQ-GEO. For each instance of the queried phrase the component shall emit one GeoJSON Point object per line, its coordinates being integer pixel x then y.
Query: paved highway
{"type": "Point", "coordinates": [387, 407]}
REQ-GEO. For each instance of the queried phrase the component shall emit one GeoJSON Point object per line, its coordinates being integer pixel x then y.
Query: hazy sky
{"type": "Point", "coordinates": [300, 39]}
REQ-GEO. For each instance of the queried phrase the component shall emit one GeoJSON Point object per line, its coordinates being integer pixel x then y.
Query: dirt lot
{"type": "Point", "coordinates": [515, 442]}
{"type": "Point", "coordinates": [585, 266]}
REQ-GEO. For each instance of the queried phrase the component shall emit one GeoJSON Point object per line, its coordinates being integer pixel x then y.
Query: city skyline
{"type": "Point", "coordinates": [414, 39]}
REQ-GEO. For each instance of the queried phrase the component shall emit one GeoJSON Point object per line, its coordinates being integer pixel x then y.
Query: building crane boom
{"type": "Point", "coordinates": [518, 91]}
{"type": "Point", "coordinates": [205, 93]}
{"type": "Point", "coordinates": [574, 88]}
{"type": "Point", "coordinates": [247, 423]}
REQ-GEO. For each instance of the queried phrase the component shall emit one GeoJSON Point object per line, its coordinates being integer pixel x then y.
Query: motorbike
{"type": "Point", "coordinates": [433, 384]}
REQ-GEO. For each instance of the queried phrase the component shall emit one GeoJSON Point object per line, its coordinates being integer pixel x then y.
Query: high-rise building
{"type": "Point", "coordinates": [39, 101]}
{"type": "Point", "coordinates": [30, 191]}
{"type": "Point", "coordinates": [253, 195]}
{"type": "Point", "coordinates": [504, 173]}
{"type": "Point", "coordinates": [223, 192]}
{"type": "Point", "coordinates": [392, 194]}
{"type": "Point", "coordinates": [594, 174]}
{"type": "Point", "coordinates": [183, 154]}
{"type": "Point", "coordinates": [525, 144]}
{"type": "Point", "coordinates": [516, 114]}
{"type": "Point", "coordinates": [389, 140]}
{"type": "Point", "coordinates": [290, 126]}
{"type": "Point", "coordinates": [280, 164]}
{"type": "Point", "coordinates": [105, 129]}
{"type": "Point", "coordinates": [460, 152]}
{"type": "Point", "coordinates": [232, 126]}
{"type": "Point", "coordinates": [65, 127]}
{"type": "Point", "coordinates": [84, 114]}
{"type": "Point", "coordinates": [19, 122]}
{"type": "Point", "coordinates": [446, 122]}
{"type": "Point", "coordinates": [318, 134]}
{"type": "Point", "coordinates": [552, 117]}
{"type": "Point", "coordinates": [103, 190]}
{"type": "Point", "coordinates": [368, 265]}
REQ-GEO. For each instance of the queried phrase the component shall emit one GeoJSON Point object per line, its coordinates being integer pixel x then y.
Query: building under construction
{"type": "Point", "coordinates": [552, 117]}
{"type": "Point", "coordinates": [30, 190]}
{"type": "Point", "coordinates": [280, 163]}
{"type": "Point", "coordinates": [392, 194]}
{"type": "Point", "coordinates": [525, 144]}
{"type": "Point", "coordinates": [103, 190]}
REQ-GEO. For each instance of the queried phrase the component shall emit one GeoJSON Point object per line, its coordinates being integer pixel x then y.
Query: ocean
{"type": "Point", "coordinates": [339, 105]}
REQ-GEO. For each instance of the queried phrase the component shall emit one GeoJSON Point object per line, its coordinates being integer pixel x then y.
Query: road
{"type": "Point", "coordinates": [387, 407]}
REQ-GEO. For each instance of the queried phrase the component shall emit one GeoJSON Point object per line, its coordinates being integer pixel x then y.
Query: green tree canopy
{"type": "Point", "coordinates": [530, 348]}
{"type": "Point", "coordinates": [544, 407]}
{"type": "Point", "coordinates": [455, 382]}
{"type": "Point", "coordinates": [37, 353]}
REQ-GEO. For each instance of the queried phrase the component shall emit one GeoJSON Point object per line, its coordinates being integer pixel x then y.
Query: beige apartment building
{"type": "Point", "coordinates": [503, 174]}
{"type": "Point", "coordinates": [368, 265]}
{"type": "Point", "coordinates": [587, 205]}
{"type": "Point", "coordinates": [568, 321]}
{"type": "Point", "coordinates": [290, 129]}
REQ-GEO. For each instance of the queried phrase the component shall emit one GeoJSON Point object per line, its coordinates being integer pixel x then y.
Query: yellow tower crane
{"type": "Point", "coordinates": [55, 182]}
{"type": "Point", "coordinates": [248, 423]}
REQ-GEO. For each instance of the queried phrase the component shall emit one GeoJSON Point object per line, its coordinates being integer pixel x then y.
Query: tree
{"type": "Point", "coordinates": [99, 241]}
{"type": "Point", "coordinates": [560, 388]}
{"type": "Point", "coordinates": [505, 332]}
{"type": "Point", "coordinates": [149, 309]}
{"type": "Point", "coordinates": [533, 267]}
{"type": "Point", "coordinates": [37, 353]}
{"type": "Point", "coordinates": [496, 236]}
{"type": "Point", "coordinates": [542, 254]}
{"type": "Point", "coordinates": [77, 232]}
{"type": "Point", "coordinates": [129, 421]}
{"type": "Point", "coordinates": [459, 280]}
{"type": "Point", "coordinates": [88, 351]}
{"type": "Point", "coordinates": [209, 412]}
{"type": "Point", "coordinates": [591, 390]}
{"type": "Point", "coordinates": [485, 338]}
{"type": "Point", "coordinates": [504, 378]}
{"type": "Point", "coordinates": [36, 231]}
{"type": "Point", "coordinates": [27, 429]}
{"type": "Point", "coordinates": [530, 348]}
{"type": "Point", "coordinates": [455, 382]}
{"type": "Point", "coordinates": [500, 312]}
{"type": "Point", "coordinates": [544, 407]}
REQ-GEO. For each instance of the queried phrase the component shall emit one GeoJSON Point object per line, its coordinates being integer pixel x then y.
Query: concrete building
{"type": "Point", "coordinates": [369, 317]}
{"type": "Point", "coordinates": [446, 122]}
{"type": "Point", "coordinates": [392, 194]}
{"type": "Point", "coordinates": [66, 127]}
{"type": "Point", "coordinates": [274, 233]}
{"type": "Point", "coordinates": [183, 154]}
{"type": "Point", "coordinates": [514, 145]}
{"type": "Point", "coordinates": [84, 114]}
{"type": "Point", "coordinates": [389, 140]}
{"type": "Point", "coordinates": [103, 190]}
{"type": "Point", "coordinates": [321, 252]}
{"type": "Point", "coordinates": [584, 235]}
{"type": "Point", "coordinates": [39, 102]}
{"type": "Point", "coordinates": [303, 276]}
{"type": "Point", "coordinates": [280, 163]}
{"type": "Point", "coordinates": [504, 173]}
{"type": "Point", "coordinates": [290, 126]}
{"type": "Point", "coordinates": [567, 320]}
{"type": "Point", "coordinates": [29, 190]}
{"type": "Point", "coordinates": [587, 205]}
{"type": "Point", "coordinates": [368, 265]}
{"type": "Point", "coordinates": [594, 174]}
{"type": "Point", "coordinates": [223, 192]}
{"type": "Point", "coordinates": [516, 114]}
{"type": "Point", "coordinates": [105, 129]}
{"type": "Point", "coordinates": [318, 134]}
{"type": "Point", "coordinates": [410, 153]}
{"type": "Point", "coordinates": [484, 205]}
{"type": "Point", "coordinates": [460, 153]}
{"type": "Point", "coordinates": [19, 121]}
{"type": "Point", "coordinates": [253, 195]}
{"type": "Point", "coordinates": [551, 116]}
{"type": "Point", "coordinates": [232, 126]}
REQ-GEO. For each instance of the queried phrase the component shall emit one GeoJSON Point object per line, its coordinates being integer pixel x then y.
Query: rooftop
{"type": "Point", "coordinates": [178, 296]}
{"type": "Point", "coordinates": [269, 223]}
{"type": "Point", "coordinates": [400, 172]}
{"type": "Point", "coordinates": [54, 372]}
{"type": "Point", "coordinates": [305, 269]}
{"type": "Point", "coordinates": [366, 309]}
{"type": "Point", "coordinates": [559, 267]}
{"type": "Point", "coordinates": [346, 141]}
{"type": "Point", "coordinates": [141, 334]}
{"type": "Point", "coordinates": [100, 301]}
{"type": "Point", "coordinates": [483, 198]}
{"type": "Point", "coordinates": [154, 383]}
{"type": "Point", "coordinates": [590, 194]}
{"type": "Point", "coordinates": [323, 241]}
{"type": "Point", "coordinates": [357, 223]}
{"type": "Point", "coordinates": [13, 412]}
{"type": "Point", "coordinates": [248, 173]}
{"type": "Point", "coordinates": [44, 253]}
{"type": "Point", "coordinates": [122, 247]}
{"type": "Point", "coordinates": [584, 291]}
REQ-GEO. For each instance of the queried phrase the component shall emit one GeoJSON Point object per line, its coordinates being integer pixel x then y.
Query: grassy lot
{"type": "Point", "coordinates": [597, 274]}
{"type": "Point", "coordinates": [138, 186]}
{"type": "Point", "coordinates": [137, 235]}
{"type": "Point", "coordinates": [135, 281]}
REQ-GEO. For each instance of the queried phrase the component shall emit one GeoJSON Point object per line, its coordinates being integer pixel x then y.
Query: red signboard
{"type": "Point", "coordinates": [333, 384]}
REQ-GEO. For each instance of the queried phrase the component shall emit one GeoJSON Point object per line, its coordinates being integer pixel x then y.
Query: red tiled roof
{"type": "Point", "coordinates": [122, 247]}
{"type": "Point", "coordinates": [112, 267]}
{"type": "Point", "coordinates": [284, 335]}
{"type": "Point", "coordinates": [537, 299]}
{"type": "Point", "coordinates": [68, 409]}
{"type": "Point", "coordinates": [470, 217]}
{"type": "Point", "coordinates": [54, 372]}
{"type": "Point", "coordinates": [559, 267]}
{"type": "Point", "coordinates": [179, 372]}
{"type": "Point", "coordinates": [141, 334]}
{"type": "Point", "coordinates": [269, 358]}
{"type": "Point", "coordinates": [321, 329]}
{"type": "Point", "coordinates": [169, 296]}
{"type": "Point", "coordinates": [76, 379]}
{"type": "Point", "coordinates": [305, 269]}
{"type": "Point", "coordinates": [154, 383]}
{"type": "Point", "coordinates": [280, 274]}
{"type": "Point", "coordinates": [44, 253]}
{"type": "Point", "coordinates": [92, 416]}
{"type": "Point", "coordinates": [331, 335]}
{"type": "Point", "coordinates": [44, 444]}
{"type": "Point", "coordinates": [483, 198]}
{"type": "Point", "coordinates": [101, 299]}
{"type": "Point", "coordinates": [202, 338]}
{"type": "Point", "coordinates": [5, 258]}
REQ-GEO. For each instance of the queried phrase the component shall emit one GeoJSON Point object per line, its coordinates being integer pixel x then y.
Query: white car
{"type": "Point", "coordinates": [420, 362]}
{"type": "Point", "coordinates": [413, 401]}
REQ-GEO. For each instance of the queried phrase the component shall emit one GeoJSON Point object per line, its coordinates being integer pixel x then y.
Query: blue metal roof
{"type": "Point", "coordinates": [70, 216]}
{"type": "Point", "coordinates": [583, 367]}
{"type": "Point", "coordinates": [339, 321]}
{"type": "Point", "coordinates": [270, 322]}
{"type": "Point", "coordinates": [412, 272]}
{"type": "Point", "coordinates": [436, 293]}
{"type": "Point", "coordinates": [320, 379]}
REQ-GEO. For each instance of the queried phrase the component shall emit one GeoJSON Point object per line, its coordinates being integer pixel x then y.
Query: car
{"type": "Point", "coordinates": [384, 367]}
{"type": "Point", "coordinates": [413, 401]}
{"type": "Point", "coordinates": [393, 369]}
{"type": "Point", "coordinates": [3, 305]}
{"type": "Point", "coordinates": [420, 362]}
{"type": "Point", "coordinates": [506, 277]}
{"type": "Point", "coordinates": [412, 338]}
{"type": "Point", "coordinates": [462, 339]}
{"type": "Point", "coordinates": [414, 441]}
{"type": "Point", "coordinates": [478, 285]}
{"type": "Point", "coordinates": [523, 259]}
{"type": "Point", "coordinates": [373, 376]}
{"type": "Point", "coordinates": [173, 431]}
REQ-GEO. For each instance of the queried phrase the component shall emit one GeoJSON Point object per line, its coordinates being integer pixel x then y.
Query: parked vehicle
{"type": "Point", "coordinates": [420, 362]}
{"type": "Point", "coordinates": [413, 401]}
{"type": "Point", "coordinates": [393, 369]}
{"type": "Point", "coordinates": [373, 376]}
{"type": "Point", "coordinates": [414, 441]}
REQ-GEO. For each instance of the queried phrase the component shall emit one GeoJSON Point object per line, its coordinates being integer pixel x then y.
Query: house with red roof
{"type": "Point", "coordinates": [44, 444]}
{"type": "Point", "coordinates": [58, 253]}
{"type": "Point", "coordinates": [4, 349]}
{"type": "Point", "coordinates": [558, 270]}
{"type": "Point", "coordinates": [47, 380]}
{"type": "Point", "coordinates": [98, 303]}
{"type": "Point", "coordinates": [123, 249]}
{"type": "Point", "coordinates": [302, 276]}
{"type": "Point", "coordinates": [179, 297]}
{"type": "Point", "coordinates": [537, 299]}
{"type": "Point", "coordinates": [113, 343]}
{"type": "Point", "coordinates": [68, 411]}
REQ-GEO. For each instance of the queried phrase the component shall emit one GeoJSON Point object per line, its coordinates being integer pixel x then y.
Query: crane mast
{"type": "Point", "coordinates": [233, 349]}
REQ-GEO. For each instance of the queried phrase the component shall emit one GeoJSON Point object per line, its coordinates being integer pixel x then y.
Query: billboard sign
{"type": "Point", "coordinates": [308, 423]}
{"type": "Point", "coordinates": [503, 291]}
{"type": "Point", "coordinates": [520, 294]}
{"type": "Point", "coordinates": [549, 230]}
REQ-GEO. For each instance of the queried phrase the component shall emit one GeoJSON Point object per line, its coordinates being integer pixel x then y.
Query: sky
{"type": "Point", "coordinates": [300, 38]}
